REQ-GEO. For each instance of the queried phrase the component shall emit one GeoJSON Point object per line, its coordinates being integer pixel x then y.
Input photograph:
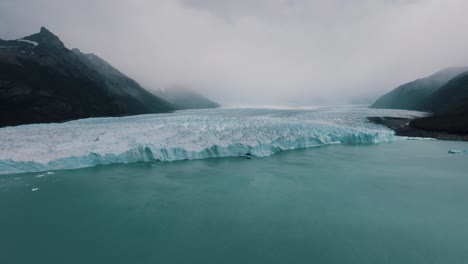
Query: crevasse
{"type": "Point", "coordinates": [184, 135]}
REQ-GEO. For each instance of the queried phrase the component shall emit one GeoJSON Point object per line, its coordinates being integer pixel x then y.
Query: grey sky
{"type": "Point", "coordinates": [258, 51]}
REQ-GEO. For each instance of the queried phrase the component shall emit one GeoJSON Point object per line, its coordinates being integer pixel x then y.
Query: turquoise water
{"type": "Point", "coordinates": [399, 202]}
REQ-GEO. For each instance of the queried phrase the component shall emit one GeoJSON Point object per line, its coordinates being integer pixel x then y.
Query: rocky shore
{"type": "Point", "coordinates": [402, 127]}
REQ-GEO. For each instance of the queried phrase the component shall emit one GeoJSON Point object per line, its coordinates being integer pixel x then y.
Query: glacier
{"type": "Point", "coordinates": [189, 134]}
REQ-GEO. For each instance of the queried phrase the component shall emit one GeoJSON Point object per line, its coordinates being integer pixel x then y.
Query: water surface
{"type": "Point", "coordinates": [399, 202]}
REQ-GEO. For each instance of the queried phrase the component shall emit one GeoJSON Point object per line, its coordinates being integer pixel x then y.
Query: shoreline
{"type": "Point", "coordinates": [402, 127]}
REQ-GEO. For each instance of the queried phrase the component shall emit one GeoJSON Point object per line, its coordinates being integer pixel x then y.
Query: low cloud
{"type": "Point", "coordinates": [258, 51]}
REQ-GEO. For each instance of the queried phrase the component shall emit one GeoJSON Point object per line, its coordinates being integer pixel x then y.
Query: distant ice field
{"type": "Point", "coordinates": [192, 134]}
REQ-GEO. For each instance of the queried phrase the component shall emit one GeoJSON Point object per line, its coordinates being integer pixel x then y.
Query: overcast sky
{"type": "Point", "coordinates": [258, 51]}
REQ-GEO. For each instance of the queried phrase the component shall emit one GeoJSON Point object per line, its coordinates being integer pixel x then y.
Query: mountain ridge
{"type": "Point", "coordinates": [184, 98]}
{"type": "Point", "coordinates": [447, 103]}
{"type": "Point", "coordinates": [412, 95]}
{"type": "Point", "coordinates": [42, 81]}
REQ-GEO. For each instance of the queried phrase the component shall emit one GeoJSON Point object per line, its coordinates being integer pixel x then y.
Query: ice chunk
{"type": "Point", "coordinates": [456, 151]}
{"type": "Point", "coordinates": [34, 189]}
{"type": "Point", "coordinates": [45, 174]}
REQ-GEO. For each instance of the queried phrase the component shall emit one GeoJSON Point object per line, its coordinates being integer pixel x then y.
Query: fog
{"type": "Point", "coordinates": [247, 52]}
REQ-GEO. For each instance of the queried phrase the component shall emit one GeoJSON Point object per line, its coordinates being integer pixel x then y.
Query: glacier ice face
{"type": "Point", "coordinates": [193, 134]}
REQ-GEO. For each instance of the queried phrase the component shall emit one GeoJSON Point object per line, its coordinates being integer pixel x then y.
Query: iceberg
{"type": "Point", "coordinates": [457, 151]}
{"type": "Point", "coordinates": [190, 134]}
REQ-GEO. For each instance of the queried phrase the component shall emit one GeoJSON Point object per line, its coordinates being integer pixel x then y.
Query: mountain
{"type": "Point", "coordinates": [186, 99]}
{"type": "Point", "coordinates": [41, 81]}
{"type": "Point", "coordinates": [450, 106]}
{"type": "Point", "coordinates": [412, 96]}
{"type": "Point", "coordinates": [450, 96]}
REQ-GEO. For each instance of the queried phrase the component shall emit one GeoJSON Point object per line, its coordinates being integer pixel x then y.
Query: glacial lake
{"type": "Point", "coordinates": [316, 185]}
{"type": "Point", "coordinates": [404, 201]}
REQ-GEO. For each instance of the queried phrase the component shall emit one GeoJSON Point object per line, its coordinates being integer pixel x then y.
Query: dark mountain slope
{"type": "Point", "coordinates": [186, 99]}
{"type": "Point", "coordinates": [450, 96]}
{"type": "Point", "coordinates": [411, 96]}
{"type": "Point", "coordinates": [42, 81]}
{"type": "Point", "coordinates": [122, 86]}
{"type": "Point", "coordinates": [450, 107]}
{"type": "Point", "coordinates": [449, 119]}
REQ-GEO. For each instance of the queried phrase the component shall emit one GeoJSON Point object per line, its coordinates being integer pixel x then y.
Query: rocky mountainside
{"type": "Point", "coordinates": [450, 96]}
{"type": "Point", "coordinates": [41, 81]}
{"type": "Point", "coordinates": [448, 105]}
{"type": "Point", "coordinates": [412, 96]}
{"type": "Point", "coordinates": [186, 99]}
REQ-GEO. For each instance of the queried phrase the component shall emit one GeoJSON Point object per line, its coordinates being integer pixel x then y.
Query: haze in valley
{"type": "Point", "coordinates": [258, 52]}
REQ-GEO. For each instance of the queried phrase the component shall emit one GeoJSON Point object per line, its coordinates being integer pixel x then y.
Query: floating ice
{"type": "Point", "coordinates": [34, 189]}
{"type": "Point", "coordinates": [45, 174]}
{"type": "Point", "coordinates": [194, 134]}
{"type": "Point", "coordinates": [456, 151]}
